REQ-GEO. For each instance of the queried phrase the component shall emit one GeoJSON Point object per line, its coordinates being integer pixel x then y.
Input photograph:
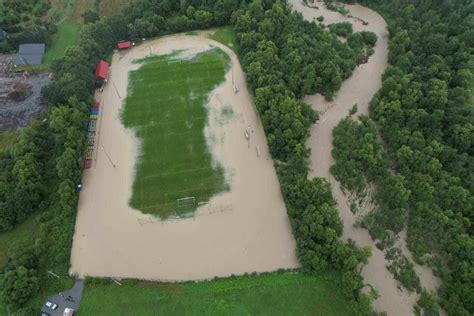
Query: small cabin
{"type": "Point", "coordinates": [30, 54]}
{"type": "Point", "coordinates": [124, 45]}
{"type": "Point", "coordinates": [101, 73]}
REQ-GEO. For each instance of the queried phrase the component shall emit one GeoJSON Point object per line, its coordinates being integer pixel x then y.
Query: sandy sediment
{"type": "Point", "coordinates": [364, 82]}
{"type": "Point", "coordinates": [243, 230]}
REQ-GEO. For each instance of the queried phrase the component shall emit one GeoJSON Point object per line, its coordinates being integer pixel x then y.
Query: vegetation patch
{"type": "Point", "coordinates": [66, 36]}
{"type": "Point", "coordinates": [110, 7]}
{"type": "Point", "coordinates": [25, 22]}
{"type": "Point", "coordinates": [341, 29]}
{"type": "Point", "coordinates": [285, 293]}
{"type": "Point", "coordinates": [166, 107]}
{"type": "Point", "coordinates": [7, 139]}
{"type": "Point", "coordinates": [226, 35]}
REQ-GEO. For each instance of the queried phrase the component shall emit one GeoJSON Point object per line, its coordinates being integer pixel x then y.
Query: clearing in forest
{"type": "Point", "coordinates": [166, 107]}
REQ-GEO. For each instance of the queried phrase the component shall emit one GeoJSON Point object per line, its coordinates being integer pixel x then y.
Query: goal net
{"type": "Point", "coordinates": [186, 202]}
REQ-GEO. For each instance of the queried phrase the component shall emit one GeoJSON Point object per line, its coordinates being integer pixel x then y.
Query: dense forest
{"type": "Point", "coordinates": [424, 114]}
{"type": "Point", "coordinates": [25, 21]}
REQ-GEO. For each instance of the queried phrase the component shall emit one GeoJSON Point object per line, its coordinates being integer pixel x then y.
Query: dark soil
{"type": "Point", "coordinates": [20, 98]}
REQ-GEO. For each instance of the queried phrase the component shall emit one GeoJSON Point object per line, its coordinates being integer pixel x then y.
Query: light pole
{"type": "Point", "coordinates": [111, 162]}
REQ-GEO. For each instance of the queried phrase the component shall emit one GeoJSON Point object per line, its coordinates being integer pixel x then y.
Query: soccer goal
{"type": "Point", "coordinates": [189, 201]}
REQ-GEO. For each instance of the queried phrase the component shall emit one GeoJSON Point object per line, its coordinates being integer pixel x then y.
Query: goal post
{"type": "Point", "coordinates": [189, 201]}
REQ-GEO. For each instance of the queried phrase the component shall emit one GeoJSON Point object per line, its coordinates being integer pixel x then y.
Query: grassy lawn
{"type": "Point", "coordinates": [286, 293]}
{"type": "Point", "coordinates": [67, 35]}
{"type": "Point", "coordinates": [166, 106]}
{"type": "Point", "coordinates": [226, 35]}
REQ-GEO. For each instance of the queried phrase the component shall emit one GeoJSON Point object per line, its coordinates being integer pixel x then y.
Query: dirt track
{"type": "Point", "coordinates": [365, 81]}
{"type": "Point", "coordinates": [244, 230]}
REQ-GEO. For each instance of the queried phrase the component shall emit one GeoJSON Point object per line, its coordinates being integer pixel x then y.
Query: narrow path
{"type": "Point", "coordinates": [365, 81]}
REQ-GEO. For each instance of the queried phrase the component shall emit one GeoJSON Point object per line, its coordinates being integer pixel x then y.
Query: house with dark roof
{"type": "Point", "coordinates": [30, 54]}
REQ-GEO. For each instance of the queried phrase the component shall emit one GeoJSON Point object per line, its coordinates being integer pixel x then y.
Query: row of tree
{"type": "Point", "coordinates": [284, 57]}
{"type": "Point", "coordinates": [40, 173]}
{"type": "Point", "coordinates": [425, 115]}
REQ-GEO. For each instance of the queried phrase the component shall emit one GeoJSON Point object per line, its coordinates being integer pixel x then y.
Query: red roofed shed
{"type": "Point", "coordinates": [87, 163]}
{"type": "Point", "coordinates": [124, 44]}
{"type": "Point", "coordinates": [102, 70]}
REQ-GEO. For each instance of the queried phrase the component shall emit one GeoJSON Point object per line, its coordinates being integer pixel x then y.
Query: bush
{"type": "Point", "coordinates": [341, 29]}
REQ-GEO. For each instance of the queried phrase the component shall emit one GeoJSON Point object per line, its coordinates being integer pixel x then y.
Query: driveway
{"type": "Point", "coordinates": [70, 298]}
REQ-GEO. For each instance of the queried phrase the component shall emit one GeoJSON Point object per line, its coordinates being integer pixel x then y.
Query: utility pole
{"type": "Point", "coordinates": [111, 162]}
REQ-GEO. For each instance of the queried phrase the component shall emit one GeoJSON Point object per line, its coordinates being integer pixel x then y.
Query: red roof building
{"type": "Point", "coordinates": [124, 45]}
{"type": "Point", "coordinates": [102, 70]}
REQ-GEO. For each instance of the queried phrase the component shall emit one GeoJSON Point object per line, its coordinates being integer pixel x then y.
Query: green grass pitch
{"type": "Point", "coordinates": [166, 106]}
{"type": "Point", "coordinates": [284, 293]}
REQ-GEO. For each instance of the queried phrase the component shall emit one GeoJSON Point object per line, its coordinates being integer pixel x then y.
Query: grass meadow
{"type": "Point", "coordinates": [166, 106]}
{"type": "Point", "coordinates": [67, 35]}
{"type": "Point", "coordinates": [280, 293]}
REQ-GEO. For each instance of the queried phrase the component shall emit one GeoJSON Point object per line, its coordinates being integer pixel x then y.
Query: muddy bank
{"type": "Point", "coordinates": [358, 89]}
{"type": "Point", "coordinates": [18, 113]}
{"type": "Point", "coordinates": [243, 230]}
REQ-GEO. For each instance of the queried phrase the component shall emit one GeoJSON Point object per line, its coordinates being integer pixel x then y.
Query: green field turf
{"type": "Point", "coordinates": [286, 293]}
{"type": "Point", "coordinates": [67, 35]}
{"type": "Point", "coordinates": [166, 106]}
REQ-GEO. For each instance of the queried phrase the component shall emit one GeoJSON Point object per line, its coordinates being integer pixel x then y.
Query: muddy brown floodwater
{"type": "Point", "coordinates": [243, 230]}
{"type": "Point", "coordinates": [364, 82]}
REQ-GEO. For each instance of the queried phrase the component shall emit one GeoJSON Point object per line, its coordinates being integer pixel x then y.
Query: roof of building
{"type": "Point", "coordinates": [30, 54]}
{"type": "Point", "coordinates": [102, 69]}
{"type": "Point", "coordinates": [87, 163]}
{"type": "Point", "coordinates": [124, 44]}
